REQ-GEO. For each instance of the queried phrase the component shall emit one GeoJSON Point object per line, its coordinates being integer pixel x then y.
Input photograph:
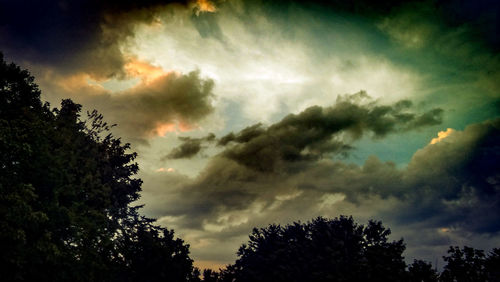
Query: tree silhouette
{"type": "Point", "coordinates": [492, 265]}
{"type": "Point", "coordinates": [320, 250]}
{"type": "Point", "coordinates": [421, 271]}
{"type": "Point", "coordinates": [341, 250]}
{"type": "Point", "coordinates": [210, 276]}
{"type": "Point", "coordinates": [66, 192]}
{"type": "Point", "coordinates": [471, 265]}
{"type": "Point", "coordinates": [153, 254]}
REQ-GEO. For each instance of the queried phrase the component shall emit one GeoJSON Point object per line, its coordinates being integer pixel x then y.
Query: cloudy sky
{"type": "Point", "coordinates": [246, 113]}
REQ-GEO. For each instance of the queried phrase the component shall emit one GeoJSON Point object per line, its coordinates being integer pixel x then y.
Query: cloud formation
{"type": "Point", "coordinates": [319, 131]}
{"type": "Point", "coordinates": [189, 147]}
{"type": "Point", "coordinates": [259, 164]}
{"type": "Point", "coordinates": [480, 15]}
{"type": "Point", "coordinates": [169, 102]}
{"type": "Point", "coordinates": [75, 36]}
{"type": "Point", "coordinates": [444, 192]}
{"type": "Point", "coordinates": [459, 180]}
{"type": "Point", "coordinates": [158, 103]}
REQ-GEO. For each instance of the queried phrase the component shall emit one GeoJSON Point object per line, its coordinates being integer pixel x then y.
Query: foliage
{"type": "Point", "coordinates": [210, 276]}
{"type": "Point", "coordinates": [66, 193]}
{"type": "Point", "coordinates": [321, 250]}
{"type": "Point", "coordinates": [471, 265]}
{"type": "Point", "coordinates": [341, 250]}
{"type": "Point", "coordinates": [420, 271]}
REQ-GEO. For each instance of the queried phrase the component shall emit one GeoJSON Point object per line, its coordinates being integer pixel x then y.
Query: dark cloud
{"type": "Point", "coordinates": [453, 183]}
{"type": "Point", "coordinates": [364, 8]}
{"type": "Point", "coordinates": [459, 179]}
{"type": "Point", "coordinates": [154, 106]}
{"type": "Point", "coordinates": [317, 131]}
{"type": "Point", "coordinates": [481, 16]}
{"type": "Point", "coordinates": [478, 16]}
{"type": "Point", "coordinates": [74, 36]}
{"type": "Point", "coordinates": [223, 186]}
{"type": "Point", "coordinates": [259, 163]}
{"type": "Point", "coordinates": [170, 101]}
{"type": "Point", "coordinates": [189, 147]}
{"type": "Point", "coordinates": [244, 135]}
{"type": "Point", "coordinates": [449, 191]}
{"type": "Point", "coordinates": [86, 35]}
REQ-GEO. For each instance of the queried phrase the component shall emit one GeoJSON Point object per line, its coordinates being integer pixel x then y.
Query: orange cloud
{"type": "Point", "coordinates": [162, 169]}
{"type": "Point", "coordinates": [206, 6]}
{"type": "Point", "coordinates": [163, 128]}
{"type": "Point", "coordinates": [144, 70]}
{"type": "Point", "coordinates": [160, 103]}
{"type": "Point", "coordinates": [442, 135]}
{"type": "Point", "coordinates": [444, 230]}
{"type": "Point", "coordinates": [74, 83]}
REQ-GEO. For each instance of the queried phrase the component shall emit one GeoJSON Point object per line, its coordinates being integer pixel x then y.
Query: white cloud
{"type": "Point", "coordinates": [265, 71]}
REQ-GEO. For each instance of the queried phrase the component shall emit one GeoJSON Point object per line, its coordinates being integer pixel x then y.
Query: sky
{"type": "Point", "coordinates": [246, 113]}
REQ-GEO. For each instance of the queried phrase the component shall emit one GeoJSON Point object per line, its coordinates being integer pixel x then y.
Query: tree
{"type": "Point", "coordinates": [421, 271]}
{"type": "Point", "coordinates": [492, 265]}
{"type": "Point", "coordinates": [153, 254]}
{"type": "Point", "coordinates": [24, 242]}
{"type": "Point", "coordinates": [465, 264]}
{"type": "Point", "coordinates": [471, 265]}
{"type": "Point", "coordinates": [66, 191]}
{"type": "Point", "coordinates": [210, 276]}
{"type": "Point", "coordinates": [320, 250]}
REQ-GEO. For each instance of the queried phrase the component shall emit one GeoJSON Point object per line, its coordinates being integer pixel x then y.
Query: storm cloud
{"type": "Point", "coordinates": [75, 36]}
{"type": "Point", "coordinates": [259, 163]}
{"type": "Point", "coordinates": [444, 191]}
{"type": "Point", "coordinates": [171, 102]}
{"type": "Point", "coordinates": [320, 131]}
{"type": "Point", "coordinates": [189, 147]}
{"type": "Point", "coordinates": [159, 103]}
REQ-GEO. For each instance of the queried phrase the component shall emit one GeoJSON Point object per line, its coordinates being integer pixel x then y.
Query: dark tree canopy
{"type": "Point", "coordinates": [341, 250]}
{"type": "Point", "coordinates": [66, 192]}
{"type": "Point", "coordinates": [420, 271]}
{"type": "Point", "coordinates": [320, 250]}
{"type": "Point", "coordinates": [471, 265]}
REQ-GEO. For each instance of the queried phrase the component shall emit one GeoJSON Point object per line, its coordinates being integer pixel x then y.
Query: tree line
{"type": "Point", "coordinates": [341, 250]}
{"type": "Point", "coordinates": [67, 188]}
